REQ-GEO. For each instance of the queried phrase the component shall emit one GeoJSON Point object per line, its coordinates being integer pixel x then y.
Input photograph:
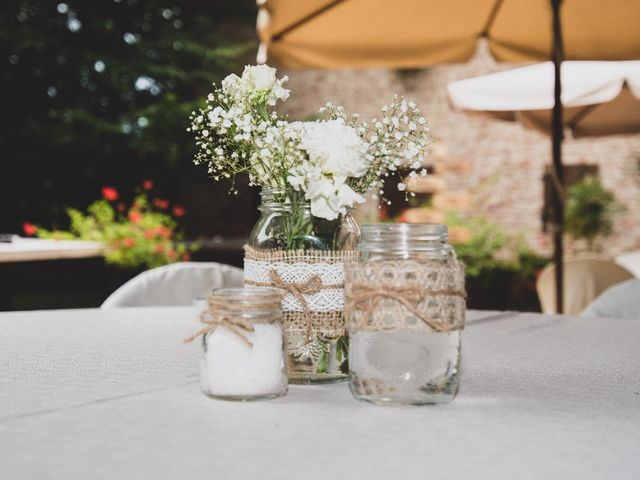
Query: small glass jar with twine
{"type": "Point", "coordinates": [404, 310]}
{"type": "Point", "coordinates": [243, 355]}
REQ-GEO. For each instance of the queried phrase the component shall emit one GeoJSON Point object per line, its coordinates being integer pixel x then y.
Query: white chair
{"type": "Point", "coordinates": [584, 279]}
{"type": "Point", "coordinates": [174, 285]}
{"type": "Point", "coordinates": [619, 301]}
{"type": "Point", "coordinates": [630, 261]}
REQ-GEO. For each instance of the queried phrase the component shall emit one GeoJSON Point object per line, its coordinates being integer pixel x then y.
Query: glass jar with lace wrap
{"type": "Point", "coordinates": [303, 256]}
{"type": "Point", "coordinates": [405, 309]}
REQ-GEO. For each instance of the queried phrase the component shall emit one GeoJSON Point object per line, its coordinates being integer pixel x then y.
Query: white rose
{"type": "Point", "coordinates": [259, 77]}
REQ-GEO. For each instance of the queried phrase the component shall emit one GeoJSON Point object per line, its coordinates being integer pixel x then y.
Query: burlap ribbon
{"type": "Point", "coordinates": [365, 298]}
{"type": "Point", "coordinates": [299, 290]}
{"type": "Point", "coordinates": [212, 317]}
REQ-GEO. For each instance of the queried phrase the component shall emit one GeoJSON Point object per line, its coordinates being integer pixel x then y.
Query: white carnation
{"type": "Point", "coordinates": [330, 197]}
{"type": "Point", "coordinates": [335, 147]}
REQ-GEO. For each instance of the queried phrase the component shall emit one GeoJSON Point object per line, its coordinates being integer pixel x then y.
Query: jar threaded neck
{"type": "Point", "coordinates": [405, 237]}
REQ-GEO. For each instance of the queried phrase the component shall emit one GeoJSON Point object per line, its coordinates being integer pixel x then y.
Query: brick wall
{"type": "Point", "coordinates": [507, 159]}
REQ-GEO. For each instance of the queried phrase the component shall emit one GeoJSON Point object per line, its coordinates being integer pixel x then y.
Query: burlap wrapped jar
{"type": "Point", "coordinates": [304, 257]}
{"type": "Point", "coordinates": [405, 309]}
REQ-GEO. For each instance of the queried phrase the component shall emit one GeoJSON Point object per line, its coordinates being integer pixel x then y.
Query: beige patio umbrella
{"type": "Point", "coordinates": [599, 98]}
{"type": "Point", "coordinates": [419, 33]}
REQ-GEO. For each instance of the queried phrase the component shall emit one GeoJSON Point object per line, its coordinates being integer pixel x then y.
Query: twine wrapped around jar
{"type": "Point", "coordinates": [414, 295]}
{"type": "Point", "coordinates": [313, 284]}
{"type": "Point", "coordinates": [229, 311]}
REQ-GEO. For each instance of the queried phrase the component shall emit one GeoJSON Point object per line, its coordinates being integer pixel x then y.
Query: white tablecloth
{"type": "Point", "coordinates": [90, 394]}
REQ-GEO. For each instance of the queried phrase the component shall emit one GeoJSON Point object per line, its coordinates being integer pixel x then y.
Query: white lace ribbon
{"type": "Point", "coordinates": [326, 300]}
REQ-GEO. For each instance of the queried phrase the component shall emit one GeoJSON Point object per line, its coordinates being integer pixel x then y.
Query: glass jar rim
{"type": "Point", "coordinates": [268, 299]}
{"type": "Point", "coordinates": [289, 197]}
{"type": "Point", "coordinates": [266, 193]}
{"type": "Point", "coordinates": [415, 230]}
{"type": "Point", "coordinates": [425, 237]}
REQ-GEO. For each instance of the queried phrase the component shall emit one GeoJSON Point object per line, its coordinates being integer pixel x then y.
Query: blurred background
{"type": "Point", "coordinates": [97, 94]}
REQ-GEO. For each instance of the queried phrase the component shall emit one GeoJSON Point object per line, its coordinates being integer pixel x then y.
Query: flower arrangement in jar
{"type": "Point", "coordinates": [312, 174]}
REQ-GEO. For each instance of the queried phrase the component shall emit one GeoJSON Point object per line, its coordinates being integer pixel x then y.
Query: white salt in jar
{"type": "Point", "coordinates": [243, 345]}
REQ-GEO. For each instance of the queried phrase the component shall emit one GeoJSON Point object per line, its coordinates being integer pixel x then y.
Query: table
{"type": "Point", "coordinates": [15, 254]}
{"type": "Point", "coordinates": [36, 249]}
{"type": "Point", "coordinates": [114, 394]}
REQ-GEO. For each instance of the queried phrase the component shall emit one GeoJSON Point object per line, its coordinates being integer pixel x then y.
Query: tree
{"type": "Point", "coordinates": [97, 93]}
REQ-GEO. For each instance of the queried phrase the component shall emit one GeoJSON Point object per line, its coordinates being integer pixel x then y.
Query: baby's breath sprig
{"type": "Point", "coordinates": [398, 140]}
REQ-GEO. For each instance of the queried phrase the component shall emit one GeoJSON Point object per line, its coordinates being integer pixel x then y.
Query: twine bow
{"type": "Point", "coordinates": [212, 318]}
{"type": "Point", "coordinates": [365, 298]}
{"type": "Point", "coordinates": [299, 290]}
{"type": "Point", "coordinates": [237, 325]}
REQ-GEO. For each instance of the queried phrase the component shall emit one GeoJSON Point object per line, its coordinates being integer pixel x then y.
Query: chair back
{"type": "Point", "coordinates": [584, 279]}
{"type": "Point", "coordinates": [630, 261]}
{"type": "Point", "coordinates": [174, 285]}
{"type": "Point", "coordinates": [620, 301]}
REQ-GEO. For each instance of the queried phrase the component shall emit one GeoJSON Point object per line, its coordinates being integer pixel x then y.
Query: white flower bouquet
{"type": "Point", "coordinates": [331, 162]}
{"type": "Point", "coordinates": [312, 174]}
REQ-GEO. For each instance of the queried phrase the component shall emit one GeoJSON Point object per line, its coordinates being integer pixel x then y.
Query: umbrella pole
{"type": "Point", "coordinates": [556, 150]}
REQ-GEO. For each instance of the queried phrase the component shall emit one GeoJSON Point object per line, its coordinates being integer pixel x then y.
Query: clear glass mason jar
{"type": "Point", "coordinates": [396, 365]}
{"type": "Point", "coordinates": [243, 357]}
{"type": "Point", "coordinates": [286, 223]}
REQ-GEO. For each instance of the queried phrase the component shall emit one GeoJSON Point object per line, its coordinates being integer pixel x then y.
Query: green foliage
{"type": "Point", "coordinates": [135, 236]}
{"type": "Point", "coordinates": [480, 253]}
{"type": "Point", "coordinates": [590, 211]}
{"type": "Point", "coordinates": [501, 272]}
{"type": "Point", "coordinates": [95, 92]}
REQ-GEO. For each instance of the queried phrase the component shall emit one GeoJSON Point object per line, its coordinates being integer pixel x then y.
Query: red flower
{"type": "Point", "coordinates": [158, 248]}
{"type": "Point", "coordinates": [147, 184]}
{"type": "Point", "coordinates": [29, 229]}
{"type": "Point", "coordinates": [186, 257]}
{"type": "Point", "coordinates": [171, 253]}
{"type": "Point", "coordinates": [179, 211]}
{"type": "Point", "coordinates": [128, 242]}
{"type": "Point", "coordinates": [161, 203]}
{"type": "Point", "coordinates": [149, 233]}
{"type": "Point", "coordinates": [164, 231]}
{"type": "Point", "coordinates": [135, 216]}
{"type": "Point", "coordinates": [121, 207]}
{"type": "Point", "coordinates": [110, 193]}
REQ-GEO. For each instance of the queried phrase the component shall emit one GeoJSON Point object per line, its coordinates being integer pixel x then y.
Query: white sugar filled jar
{"type": "Point", "coordinates": [243, 356]}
